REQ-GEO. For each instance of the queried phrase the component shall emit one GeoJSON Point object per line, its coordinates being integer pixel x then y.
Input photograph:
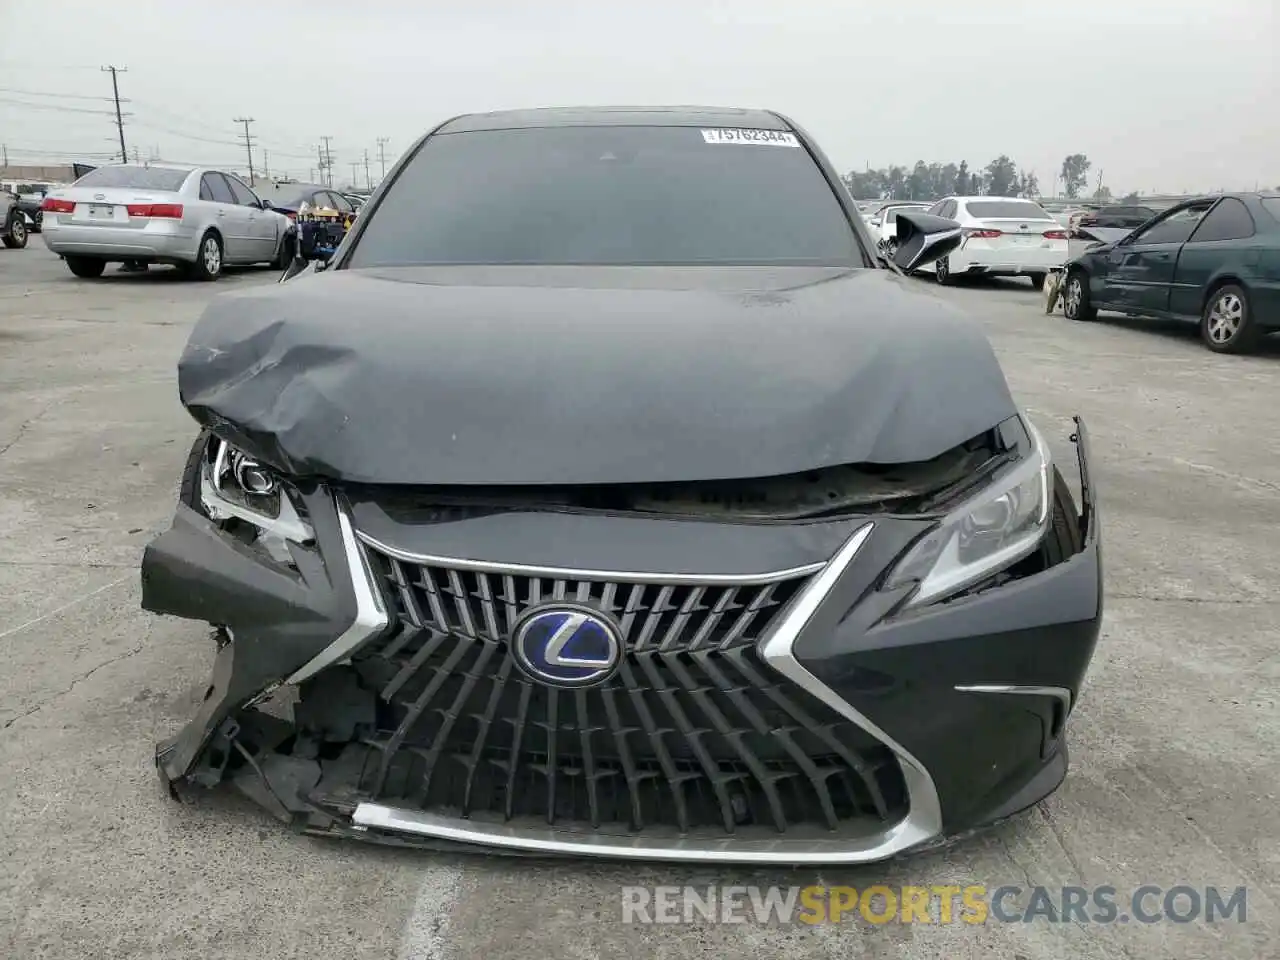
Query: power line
{"type": "Point", "coordinates": [248, 143]}
{"type": "Point", "coordinates": [115, 92]}
{"type": "Point", "coordinates": [55, 106]}
{"type": "Point", "coordinates": [62, 96]}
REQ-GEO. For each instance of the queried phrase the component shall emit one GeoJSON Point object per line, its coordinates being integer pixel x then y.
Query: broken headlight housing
{"type": "Point", "coordinates": [987, 533]}
{"type": "Point", "coordinates": [236, 489]}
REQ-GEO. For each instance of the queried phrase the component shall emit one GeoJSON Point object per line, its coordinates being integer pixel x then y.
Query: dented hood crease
{"type": "Point", "coordinates": [588, 375]}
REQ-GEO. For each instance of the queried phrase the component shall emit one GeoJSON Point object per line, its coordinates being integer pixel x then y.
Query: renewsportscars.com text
{"type": "Point", "coordinates": [939, 904]}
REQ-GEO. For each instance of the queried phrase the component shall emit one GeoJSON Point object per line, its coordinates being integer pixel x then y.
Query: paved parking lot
{"type": "Point", "coordinates": [1175, 778]}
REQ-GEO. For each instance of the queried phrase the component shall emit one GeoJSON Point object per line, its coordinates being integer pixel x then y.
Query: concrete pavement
{"type": "Point", "coordinates": [1175, 775]}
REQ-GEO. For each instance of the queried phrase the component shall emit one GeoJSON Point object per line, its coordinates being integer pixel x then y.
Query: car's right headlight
{"type": "Point", "coordinates": [988, 533]}
{"type": "Point", "coordinates": [234, 485]}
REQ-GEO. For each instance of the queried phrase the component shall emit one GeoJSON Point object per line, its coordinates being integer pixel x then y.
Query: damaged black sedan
{"type": "Point", "coordinates": [606, 493]}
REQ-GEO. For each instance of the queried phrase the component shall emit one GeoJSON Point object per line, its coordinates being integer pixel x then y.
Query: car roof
{"type": "Point", "coordinates": [673, 116]}
{"type": "Point", "coordinates": [993, 197]}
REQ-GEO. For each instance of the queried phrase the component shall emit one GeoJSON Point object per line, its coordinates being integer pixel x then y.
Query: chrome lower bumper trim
{"type": "Point", "coordinates": [923, 821]}
{"type": "Point", "coordinates": [550, 841]}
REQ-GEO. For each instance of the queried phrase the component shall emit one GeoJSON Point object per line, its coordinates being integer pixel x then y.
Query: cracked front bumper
{"type": "Point", "coordinates": [961, 706]}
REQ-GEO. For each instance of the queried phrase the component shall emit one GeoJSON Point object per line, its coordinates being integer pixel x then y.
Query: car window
{"type": "Point", "coordinates": [219, 192]}
{"type": "Point", "coordinates": [340, 203]}
{"type": "Point", "coordinates": [1006, 210]}
{"type": "Point", "coordinates": [1175, 228]}
{"type": "Point", "coordinates": [609, 195]}
{"type": "Point", "coordinates": [244, 196]}
{"type": "Point", "coordinates": [1272, 206]}
{"type": "Point", "coordinates": [949, 210]}
{"type": "Point", "coordinates": [127, 175]}
{"type": "Point", "coordinates": [936, 209]}
{"type": "Point", "coordinates": [1228, 220]}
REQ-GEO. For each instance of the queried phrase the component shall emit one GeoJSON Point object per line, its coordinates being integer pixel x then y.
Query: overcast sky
{"type": "Point", "coordinates": [1162, 95]}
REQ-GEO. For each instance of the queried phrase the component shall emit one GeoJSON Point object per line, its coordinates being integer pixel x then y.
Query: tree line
{"type": "Point", "coordinates": [999, 178]}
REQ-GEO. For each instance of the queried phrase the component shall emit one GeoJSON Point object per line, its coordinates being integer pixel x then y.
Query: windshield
{"type": "Point", "coordinates": [1006, 210]}
{"type": "Point", "coordinates": [147, 178]}
{"type": "Point", "coordinates": [609, 195]}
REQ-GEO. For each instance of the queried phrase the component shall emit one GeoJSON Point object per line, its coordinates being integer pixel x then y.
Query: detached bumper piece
{"type": "Point", "coordinates": [783, 718]}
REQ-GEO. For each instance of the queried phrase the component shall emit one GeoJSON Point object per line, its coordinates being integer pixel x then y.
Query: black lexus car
{"type": "Point", "coordinates": [621, 500]}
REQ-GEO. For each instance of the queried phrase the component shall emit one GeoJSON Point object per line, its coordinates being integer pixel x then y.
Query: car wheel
{"type": "Point", "coordinates": [1227, 325]}
{"type": "Point", "coordinates": [86, 267]}
{"type": "Point", "coordinates": [15, 238]}
{"type": "Point", "coordinates": [208, 265]}
{"type": "Point", "coordinates": [1075, 298]}
{"type": "Point", "coordinates": [1037, 281]}
{"type": "Point", "coordinates": [942, 271]}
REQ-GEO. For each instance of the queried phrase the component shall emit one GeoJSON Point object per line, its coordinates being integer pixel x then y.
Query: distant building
{"type": "Point", "coordinates": [49, 173]}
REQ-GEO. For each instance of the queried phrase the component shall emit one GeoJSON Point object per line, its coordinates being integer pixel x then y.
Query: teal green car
{"type": "Point", "coordinates": [1213, 260]}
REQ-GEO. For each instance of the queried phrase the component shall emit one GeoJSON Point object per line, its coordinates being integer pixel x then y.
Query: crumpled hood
{"type": "Point", "coordinates": [515, 375]}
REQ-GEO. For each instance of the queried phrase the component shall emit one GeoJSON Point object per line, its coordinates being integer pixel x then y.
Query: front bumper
{"type": "Point", "coordinates": [844, 732]}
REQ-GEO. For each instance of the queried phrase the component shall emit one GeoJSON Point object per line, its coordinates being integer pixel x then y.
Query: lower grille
{"type": "Point", "coordinates": [683, 738]}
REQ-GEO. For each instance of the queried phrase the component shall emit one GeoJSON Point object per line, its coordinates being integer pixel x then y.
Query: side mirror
{"type": "Point", "coordinates": [874, 221]}
{"type": "Point", "coordinates": [924, 238]}
{"type": "Point", "coordinates": [264, 204]}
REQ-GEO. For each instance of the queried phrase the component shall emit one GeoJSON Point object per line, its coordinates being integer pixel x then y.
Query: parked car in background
{"type": "Point", "coordinates": [1003, 237]}
{"type": "Point", "coordinates": [1214, 261]}
{"type": "Point", "coordinates": [13, 230]}
{"type": "Point", "coordinates": [194, 218]}
{"type": "Point", "coordinates": [30, 198]}
{"type": "Point", "coordinates": [291, 198]}
{"type": "Point", "coordinates": [1119, 216]}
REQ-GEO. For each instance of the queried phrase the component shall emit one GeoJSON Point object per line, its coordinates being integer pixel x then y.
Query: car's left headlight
{"type": "Point", "coordinates": [988, 533]}
{"type": "Point", "coordinates": [235, 486]}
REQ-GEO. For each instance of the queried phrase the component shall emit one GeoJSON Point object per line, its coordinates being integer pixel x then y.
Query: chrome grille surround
{"type": "Point", "coordinates": [917, 822]}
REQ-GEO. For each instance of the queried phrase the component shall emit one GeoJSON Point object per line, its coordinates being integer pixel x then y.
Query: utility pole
{"type": "Point", "coordinates": [355, 173]}
{"type": "Point", "coordinates": [115, 93]}
{"type": "Point", "coordinates": [248, 143]}
{"type": "Point", "coordinates": [266, 170]}
{"type": "Point", "coordinates": [382, 155]}
{"type": "Point", "coordinates": [6, 154]}
{"type": "Point", "coordinates": [319, 164]}
{"type": "Point", "coordinates": [328, 160]}
{"type": "Point", "coordinates": [368, 180]}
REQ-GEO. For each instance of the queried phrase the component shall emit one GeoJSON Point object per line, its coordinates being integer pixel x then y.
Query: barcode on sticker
{"type": "Point", "coordinates": [769, 138]}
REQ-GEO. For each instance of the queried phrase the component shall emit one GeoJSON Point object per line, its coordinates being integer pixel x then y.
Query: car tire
{"type": "Point", "coordinates": [15, 235]}
{"type": "Point", "coordinates": [1075, 297]}
{"type": "Point", "coordinates": [87, 268]}
{"type": "Point", "coordinates": [37, 222]}
{"type": "Point", "coordinates": [1227, 326]}
{"type": "Point", "coordinates": [208, 263]}
{"type": "Point", "coordinates": [1037, 280]}
{"type": "Point", "coordinates": [942, 271]}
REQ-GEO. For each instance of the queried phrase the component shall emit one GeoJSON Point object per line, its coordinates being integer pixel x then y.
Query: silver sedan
{"type": "Point", "coordinates": [194, 218]}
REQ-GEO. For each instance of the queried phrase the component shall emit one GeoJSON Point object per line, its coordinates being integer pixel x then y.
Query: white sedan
{"type": "Point", "coordinates": [1003, 237]}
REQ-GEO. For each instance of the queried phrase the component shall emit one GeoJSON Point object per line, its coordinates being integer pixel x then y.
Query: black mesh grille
{"type": "Point", "coordinates": [693, 732]}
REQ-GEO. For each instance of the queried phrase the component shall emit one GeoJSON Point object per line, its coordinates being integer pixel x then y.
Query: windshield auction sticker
{"type": "Point", "coordinates": [768, 138]}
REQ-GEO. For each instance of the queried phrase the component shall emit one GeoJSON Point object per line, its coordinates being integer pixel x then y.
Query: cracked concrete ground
{"type": "Point", "coordinates": [1175, 777]}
